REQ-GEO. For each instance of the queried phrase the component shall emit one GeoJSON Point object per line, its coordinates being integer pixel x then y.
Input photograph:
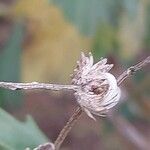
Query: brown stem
{"type": "Point", "coordinates": [36, 85]}
{"type": "Point", "coordinates": [64, 132]}
{"type": "Point", "coordinates": [133, 69]}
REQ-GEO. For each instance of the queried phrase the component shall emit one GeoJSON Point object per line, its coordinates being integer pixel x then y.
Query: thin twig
{"type": "Point", "coordinates": [36, 85]}
{"type": "Point", "coordinates": [131, 70]}
{"type": "Point", "coordinates": [64, 132]}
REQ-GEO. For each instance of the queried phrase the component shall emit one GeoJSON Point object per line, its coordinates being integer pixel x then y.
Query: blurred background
{"type": "Point", "coordinates": [41, 40]}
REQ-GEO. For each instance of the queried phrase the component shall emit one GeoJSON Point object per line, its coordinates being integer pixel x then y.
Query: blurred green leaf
{"type": "Point", "coordinates": [10, 65]}
{"type": "Point", "coordinates": [5, 147]}
{"type": "Point", "coordinates": [147, 36]}
{"type": "Point", "coordinates": [131, 7]}
{"type": "Point", "coordinates": [100, 19]}
{"type": "Point", "coordinates": [16, 135]}
{"type": "Point", "coordinates": [87, 14]}
{"type": "Point", "coordinates": [105, 41]}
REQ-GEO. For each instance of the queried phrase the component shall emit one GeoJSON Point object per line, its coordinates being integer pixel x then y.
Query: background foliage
{"type": "Point", "coordinates": [40, 40]}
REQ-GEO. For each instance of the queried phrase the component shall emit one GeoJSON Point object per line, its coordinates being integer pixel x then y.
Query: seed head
{"type": "Point", "coordinates": [98, 90]}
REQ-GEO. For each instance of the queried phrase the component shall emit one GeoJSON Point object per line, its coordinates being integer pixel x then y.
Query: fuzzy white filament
{"type": "Point", "coordinates": [99, 91]}
{"type": "Point", "coordinates": [46, 146]}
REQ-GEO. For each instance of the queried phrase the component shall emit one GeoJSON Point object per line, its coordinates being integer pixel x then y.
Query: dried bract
{"type": "Point", "coordinates": [98, 90]}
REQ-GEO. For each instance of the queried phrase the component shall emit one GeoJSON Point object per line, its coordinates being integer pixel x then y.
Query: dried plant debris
{"type": "Point", "coordinates": [98, 90]}
{"type": "Point", "coordinates": [46, 146]}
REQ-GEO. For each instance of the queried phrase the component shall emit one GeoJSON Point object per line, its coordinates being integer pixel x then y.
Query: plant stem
{"type": "Point", "coordinates": [36, 85]}
{"type": "Point", "coordinates": [64, 132]}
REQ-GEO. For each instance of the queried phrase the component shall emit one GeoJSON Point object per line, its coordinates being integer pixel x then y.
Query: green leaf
{"type": "Point", "coordinates": [88, 14]}
{"type": "Point", "coordinates": [10, 65]}
{"type": "Point", "coordinates": [131, 7]}
{"type": "Point", "coordinates": [5, 147]}
{"type": "Point", "coordinates": [16, 135]}
{"type": "Point", "coordinates": [147, 24]}
{"type": "Point", "coordinates": [105, 41]}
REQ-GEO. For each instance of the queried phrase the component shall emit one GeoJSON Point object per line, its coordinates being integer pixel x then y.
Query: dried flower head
{"type": "Point", "coordinates": [98, 90]}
